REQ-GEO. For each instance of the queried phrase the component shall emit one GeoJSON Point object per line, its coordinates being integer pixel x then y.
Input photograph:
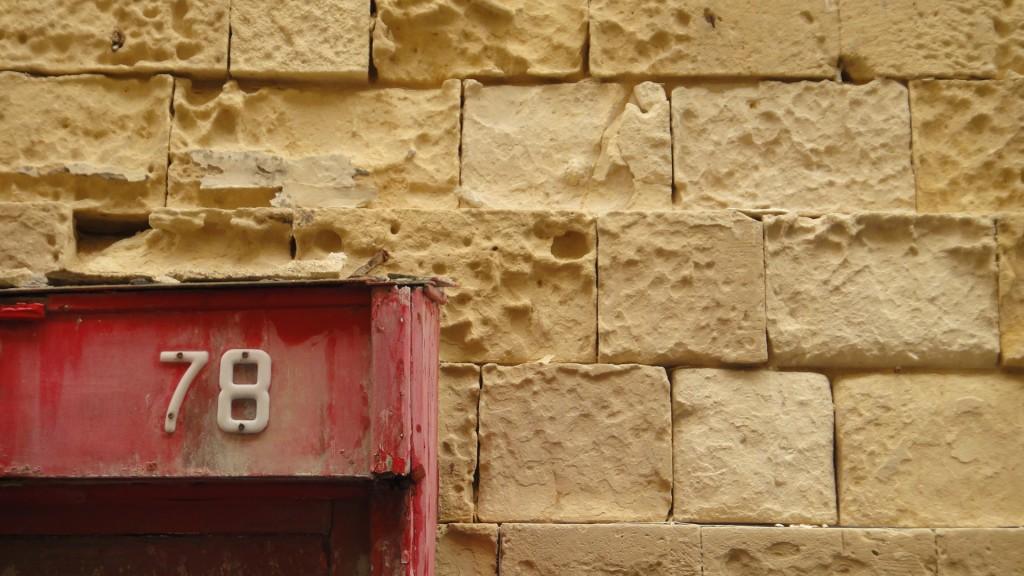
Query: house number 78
{"type": "Point", "coordinates": [229, 390]}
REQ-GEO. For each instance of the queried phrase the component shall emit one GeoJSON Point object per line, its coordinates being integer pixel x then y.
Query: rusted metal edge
{"type": "Point", "coordinates": [389, 280]}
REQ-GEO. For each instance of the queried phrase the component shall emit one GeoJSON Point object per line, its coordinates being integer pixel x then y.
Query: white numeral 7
{"type": "Point", "coordinates": [197, 361]}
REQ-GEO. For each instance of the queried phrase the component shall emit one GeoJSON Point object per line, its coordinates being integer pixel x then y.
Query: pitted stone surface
{"type": "Point", "coordinates": [315, 147]}
{"type": "Point", "coordinates": [681, 288]}
{"type": "Point", "coordinates": [428, 41]}
{"type": "Point", "coordinates": [783, 38]}
{"type": "Point", "coordinates": [205, 244]}
{"type": "Point", "coordinates": [1009, 26]}
{"type": "Point", "coordinates": [882, 290]}
{"type": "Point", "coordinates": [139, 37]}
{"type": "Point", "coordinates": [752, 447]}
{"type": "Point", "coordinates": [1010, 231]}
{"type": "Point", "coordinates": [968, 144]}
{"type": "Point", "coordinates": [35, 238]}
{"type": "Point", "coordinates": [527, 287]}
{"type": "Point", "coordinates": [300, 39]}
{"type": "Point", "coordinates": [980, 552]}
{"type": "Point", "coordinates": [96, 143]}
{"type": "Point", "coordinates": [930, 449]}
{"type": "Point", "coordinates": [810, 146]}
{"type": "Point", "coordinates": [601, 549]}
{"type": "Point", "coordinates": [585, 146]}
{"type": "Point", "coordinates": [467, 550]}
{"type": "Point", "coordinates": [757, 551]}
{"type": "Point", "coordinates": [919, 39]}
{"type": "Point", "coordinates": [574, 443]}
{"type": "Point", "coordinates": [458, 396]}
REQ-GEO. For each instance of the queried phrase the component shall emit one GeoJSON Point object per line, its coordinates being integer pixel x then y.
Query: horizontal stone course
{"type": "Point", "coordinates": [467, 550]}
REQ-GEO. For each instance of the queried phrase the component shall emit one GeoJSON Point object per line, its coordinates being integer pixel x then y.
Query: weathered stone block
{"type": "Point", "coordinates": [810, 146]}
{"type": "Point", "coordinates": [574, 443]}
{"type": "Point", "coordinates": [785, 38]}
{"type": "Point", "coordinates": [35, 238]}
{"type": "Point", "coordinates": [979, 552]}
{"type": "Point", "coordinates": [753, 447]}
{"type": "Point", "coordinates": [1009, 26]}
{"type": "Point", "coordinates": [429, 41]}
{"type": "Point", "coordinates": [930, 449]}
{"type": "Point", "coordinates": [301, 39]}
{"type": "Point", "coordinates": [315, 147]}
{"type": "Point", "coordinates": [467, 550]}
{"type": "Point", "coordinates": [586, 146]}
{"type": "Point", "coordinates": [1010, 231]}
{"type": "Point", "coordinates": [882, 290]}
{"type": "Point", "coordinates": [140, 37]}
{"type": "Point", "coordinates": [95, 143]}
{"type": "Point", "coordinates": [527, 284]}
{"type": "Point", "coordinates": [681, 288]}
{"type": "Point", "coordinates": [755, 551]}
{"type": "Point", "coordinates": [919, 39]}
{"type": "Point", "coordinates": [458, 396]}
{"type": "Point", "coordinates": [968, 144]}
{"type": "Point", "coordinates": [195, 245]}
{"type": "Point", "coordinates": [612, 549]}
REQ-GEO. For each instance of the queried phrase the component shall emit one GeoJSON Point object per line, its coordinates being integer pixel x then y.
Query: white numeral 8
{"type": "Point", "coordinates": [230, 391]}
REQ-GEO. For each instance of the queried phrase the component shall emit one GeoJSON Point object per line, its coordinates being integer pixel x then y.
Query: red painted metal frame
{"type": "Point", "coordinates": [354, 407]}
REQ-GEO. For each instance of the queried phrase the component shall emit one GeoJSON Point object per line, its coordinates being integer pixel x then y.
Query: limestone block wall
{"type": "Point", "coordinates": [740, 283]}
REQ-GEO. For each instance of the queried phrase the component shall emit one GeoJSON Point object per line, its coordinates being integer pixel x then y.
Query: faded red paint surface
{"type": "Point", "coordinates": [353, 404]}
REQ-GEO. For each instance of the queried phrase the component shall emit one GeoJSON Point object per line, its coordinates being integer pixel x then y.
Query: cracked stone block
{"type": "Point", "coordinates": [459, 394]}
{"type": "Point", "coordinates": [575, 443]}
{"type": "Point", "coordinates": [757, 551]}
{"type": "Point", "coordinates": [98, 144]}
{"type": "Point", "coordinates": [809, 146]}
{"type": "Point", "coordinates": [428, 41]}
{"type": "Point", "coordinates": [1010, 231]}
{"type": "Point", "coordinates": [681, 288]}
{"type": "Point", "coordinates": [924, 38]}
{"type": "Point", "coordinates": [753, 447]}
{"type": "Point", "coordinates": [203, 244]}
{"type": "Point", "coordinates": [35, 238]}
{"type": "Point", "coordinates": [930, 449]}
{"type": "Point", "coordinates": [311, 147]}
{"type": "Point", "coordinates": [780, 39]}
{"type": "Point", "coordinates": [879, 290]}
{"type": "Point", "coordinates": [600, 549]}
{"type": "Point", "coordinates": [467, 549]}
{"type": "Point", "coordinates": [980, 552]}
{"type": "Point", "coordinates": [140, 37]}
{"type": "Point", "coordinates": [968, 144]}
{"type": "Point", "coordinates": [301, 39]}
{"type": "Point", "coordinates": [587, 145]}
{"type": "Point", "coordinates": [527, 285]}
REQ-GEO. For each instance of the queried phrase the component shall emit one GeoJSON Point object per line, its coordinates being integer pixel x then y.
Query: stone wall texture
{"type": "Point", "coordinates": [738, 282]}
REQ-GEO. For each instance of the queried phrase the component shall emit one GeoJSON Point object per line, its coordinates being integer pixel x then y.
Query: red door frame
{"type": "Point", "coordinates": [402, 490]}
